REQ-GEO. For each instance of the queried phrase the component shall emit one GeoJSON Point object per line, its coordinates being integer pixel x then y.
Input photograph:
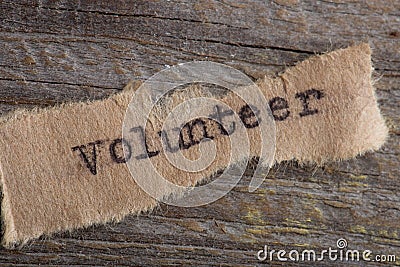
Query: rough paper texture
{"type": "Point", "coordinates": [62, 168]}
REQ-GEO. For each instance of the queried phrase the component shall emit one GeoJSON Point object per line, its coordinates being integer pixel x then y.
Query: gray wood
{"type": "Point", "coordinates": [60, 51]}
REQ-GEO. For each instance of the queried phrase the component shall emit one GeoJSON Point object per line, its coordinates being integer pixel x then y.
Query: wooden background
{"type": "Point", "coordinates": [57, 51]}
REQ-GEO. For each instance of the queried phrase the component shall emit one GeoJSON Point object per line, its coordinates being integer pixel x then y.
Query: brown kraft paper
{"type": "Point", "coordinates": [62, 168]}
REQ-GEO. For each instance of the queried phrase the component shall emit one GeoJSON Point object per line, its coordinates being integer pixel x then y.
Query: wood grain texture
{"type": "Point", "coordinates": [59, 51]}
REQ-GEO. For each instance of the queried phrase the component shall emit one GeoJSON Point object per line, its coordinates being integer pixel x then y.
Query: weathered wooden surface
{"type": "Point", "coordinates": [57, 51]}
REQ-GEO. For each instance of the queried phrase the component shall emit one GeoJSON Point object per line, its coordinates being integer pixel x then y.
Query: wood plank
{"type": "Point", "coordinates": [61, 51]}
